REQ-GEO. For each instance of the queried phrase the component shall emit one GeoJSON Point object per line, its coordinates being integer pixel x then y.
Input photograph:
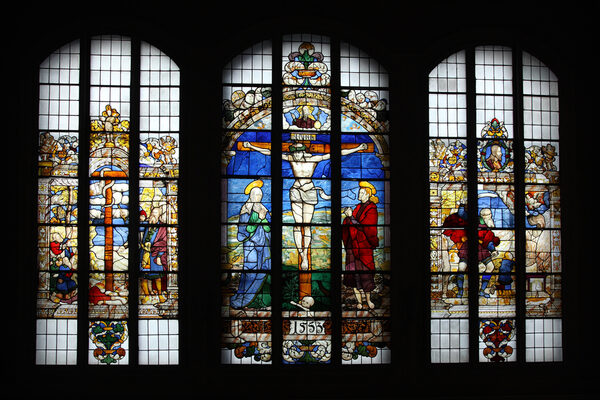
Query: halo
{"type": "Point", "coordinates": [252, 185]}
{"type": "Point", "coordinates": [365, 184]}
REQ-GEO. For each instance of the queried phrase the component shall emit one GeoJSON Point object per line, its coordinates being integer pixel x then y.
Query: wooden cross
{"type": "Point", "coordinates": [305, 278]}
{"type": "Point", "coordinates": [322, 148]}
{"type": "Point", "coordinates": [108, 233]}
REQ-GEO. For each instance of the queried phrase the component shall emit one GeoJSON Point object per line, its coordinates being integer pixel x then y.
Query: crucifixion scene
{"type": "Point", "coordinates": [307, 214]}
{"type": "Point", "coordinates": [306, 181]}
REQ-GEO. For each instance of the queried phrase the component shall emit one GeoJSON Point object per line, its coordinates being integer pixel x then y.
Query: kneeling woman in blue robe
{"type": "Point", "coordinates": [254, 231]}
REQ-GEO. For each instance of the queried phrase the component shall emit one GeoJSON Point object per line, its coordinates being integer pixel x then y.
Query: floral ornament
{"type": "Point", "coordinates": [306, 107]}
{"type": "Point", "coordinates": [495, 154]}
{"type": "Point", "coordinates": [321, 350]}
{"type": "Point", "coordinates": [259, 351]}
{"type": "Point", "coordinates": [109, 336]}
{"type": "Point", "coordinates": [306, 351]}
{"type": "Point", "coordinates": [292, 351]}
{"type": "Point", "coordinates": [494, 129]}
{"type": "Point", "coordinates": [109, 121]}
{"type": "Point", "coordinates": [496, 335]}
{"type": "Point", "coordinates": [306, 67]}
{"type": "Point", "coordinates": [354, 350]}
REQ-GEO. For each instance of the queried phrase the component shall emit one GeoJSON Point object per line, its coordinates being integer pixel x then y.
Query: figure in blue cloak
{"type": "Point", "coordinates": [254, 231]}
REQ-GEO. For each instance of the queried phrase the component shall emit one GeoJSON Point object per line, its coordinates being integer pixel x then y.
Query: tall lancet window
{"type": "Point", "coordinates": [495, 208]}
{"type": "Point", "coordinates": [107, 205]}
{"type": "Point", "coordinates": [305, 219]}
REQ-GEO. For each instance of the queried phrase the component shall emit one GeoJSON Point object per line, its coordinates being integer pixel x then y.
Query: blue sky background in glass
{"type": "Point", "coordinates": [501, 214]}
{"type": "Point", "coordinates": [250, 162]}
{"type": "Point", "coordinates": [97, 202]}
{"type": "Point", "coordinates": [350, 125]}
{"type": "Point", "coordinates": [236, 196]}
{"type": "Point", "coordinates": [361, 165]}
{"type": "Point", "coordinates": [120, 234]}
{"type": "Point", "coordinates": [350, 194]}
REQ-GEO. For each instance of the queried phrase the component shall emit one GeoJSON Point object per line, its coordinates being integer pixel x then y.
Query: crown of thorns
{"type": "Point", "coordinates": [297, 147]}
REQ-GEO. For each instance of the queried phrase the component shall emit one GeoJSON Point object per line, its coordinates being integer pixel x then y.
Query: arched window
{"type": "Point", "coordinates": [305, 205]}
{"type": "Point", "coordinates": [495, 220]}
{"type": "Point", "coordinates": [107, 204]}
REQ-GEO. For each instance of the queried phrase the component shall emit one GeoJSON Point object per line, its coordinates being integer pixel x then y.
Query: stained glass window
{"type": "Point", "coordinates": [305, 218]}
{"type": "Point", "coordinates": [495, 234]}
{"type": "Point", "coordinates": [104, 274]}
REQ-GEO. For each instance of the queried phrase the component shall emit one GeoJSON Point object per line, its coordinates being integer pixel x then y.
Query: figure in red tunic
{"type": "Point", "coordinates": [456, 225]}
{"type": "Point", "coordinates": [359, 234]}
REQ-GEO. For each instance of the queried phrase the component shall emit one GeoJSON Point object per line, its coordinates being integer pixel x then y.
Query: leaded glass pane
{"type": "Point", "coordinates": [252, 66]}
{"type": "Point", "coordinates": [307, 190]}
{"type": "Point", "coordinates": [449, 340]}
{"type": "Point", "coordinates": [159, 140]}
{"type": "Point", "coordinates": [106, 223]}
{"type": "Point", "coordinates": [506, 264]}
{"type": "Point", "coordinates": [56, 342]}
{"type": "Point", "coordinates": [543, 266]}
{"type": "Point", "coordinates": [448, 199]}
{"type": "Point", "coordinates": [306, 204]}
{"type": "Point", "coordinates": [543, 340]}
{"type": "Point", "coordinates": [449, 76]}
{"type": "Point", "coordinates": [366, 205]}
{"type": "Point", "coordinates": [358, 69]}
{"type": "Point", "coordinates": [246, 208]}
{"type": "Point", "coordinates": [57, 207]}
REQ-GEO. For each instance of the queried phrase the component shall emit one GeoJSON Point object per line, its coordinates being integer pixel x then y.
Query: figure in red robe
{"type": "Point", "coordinates": [456, 225]}
{"type": "Point", "coordinates": [359, 234]}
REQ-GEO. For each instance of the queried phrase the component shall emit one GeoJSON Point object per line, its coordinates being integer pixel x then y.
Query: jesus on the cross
{"type": "Point", "coordinates": [303, 193]}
